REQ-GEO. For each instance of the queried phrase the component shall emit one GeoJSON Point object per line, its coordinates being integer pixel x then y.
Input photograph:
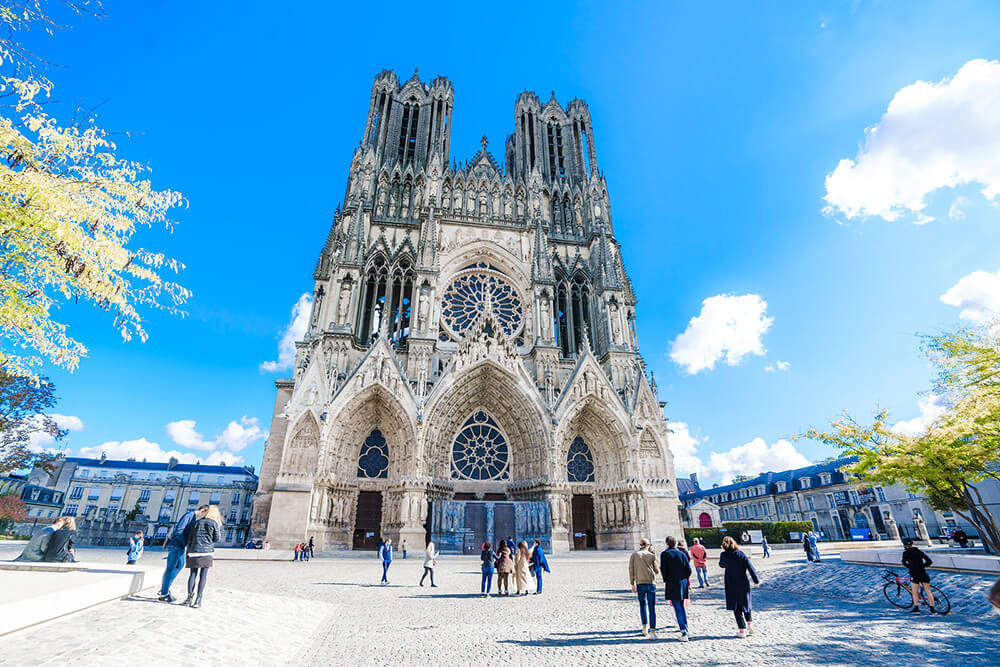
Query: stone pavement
{"type": "Point", "coordinates": [332, 611]}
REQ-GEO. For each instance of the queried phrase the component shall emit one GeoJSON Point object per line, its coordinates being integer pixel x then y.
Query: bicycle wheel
{"type": "Point", "coordinates": [942, 604]}
{"type": "Point", "coordinates": [897, 595]}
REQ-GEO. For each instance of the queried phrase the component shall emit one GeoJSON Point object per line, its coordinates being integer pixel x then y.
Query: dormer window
{"type": "Point", "coordinates": [825, 478]}
{"type": "Point", "coordinates": [806, 483]}
{"type": "Point", "coordinates": [781, 487]}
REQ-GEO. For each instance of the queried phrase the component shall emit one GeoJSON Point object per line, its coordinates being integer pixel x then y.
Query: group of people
{"type": "Point", "coordinates": [304, 550]}
{"type": "Point", "coordinates": [192, 545]}
{"type": "Point", "coordinates": [52, 544]}
{"type": "Point", "coordinates": [674, 569]}
{"type": "Point", "coordinates": [811, 546]}
{"type": "Point", "coordinates": [508, 560]}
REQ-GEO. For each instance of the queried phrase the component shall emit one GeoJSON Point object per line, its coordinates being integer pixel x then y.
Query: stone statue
{"type": "Point", "coordinates": [545, 317]}
{"type": "Point", "coordinates": [345, 301]}
{"type": "Point", "coordinates": [423, 310]}
{"type": "Point", "coordinates": [921, 528]}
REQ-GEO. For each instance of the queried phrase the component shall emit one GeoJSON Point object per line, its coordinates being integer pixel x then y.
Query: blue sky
{"type": "Point", "coordinates": [715, 127]}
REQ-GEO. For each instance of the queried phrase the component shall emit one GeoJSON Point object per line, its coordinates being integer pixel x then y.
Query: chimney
{"type": "Point", "coordinates": [694, 478]}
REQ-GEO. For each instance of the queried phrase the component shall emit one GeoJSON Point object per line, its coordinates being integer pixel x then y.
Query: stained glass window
{"type": "Point", "coordinates": [579, 462]}
{"type": "Point", "coordinates": [373, 462]}
{"type": "Point", "coordinates": [480, 450]}
{"type": "Point", "coordinates": [467, 295]}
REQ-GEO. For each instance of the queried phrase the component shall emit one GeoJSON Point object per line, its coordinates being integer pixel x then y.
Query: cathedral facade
{"type": "Point", "coordinates": [470, 368]}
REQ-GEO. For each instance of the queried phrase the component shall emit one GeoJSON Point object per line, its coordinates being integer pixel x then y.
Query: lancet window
{"type": "Point", "coordinates": [557, 167]}
{"type": "Point", "coordinates": [573, 314]}
{"type": "Point", "coordinates": [408, 131]}
{"type": "Point", "coordinates": [388, 293]}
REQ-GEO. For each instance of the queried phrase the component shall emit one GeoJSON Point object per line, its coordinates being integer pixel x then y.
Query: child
{"type": "Point", "coordinates": [916, 561]}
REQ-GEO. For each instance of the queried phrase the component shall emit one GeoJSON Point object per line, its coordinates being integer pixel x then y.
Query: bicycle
{"type": "Point", "coordinates": [897, 592]}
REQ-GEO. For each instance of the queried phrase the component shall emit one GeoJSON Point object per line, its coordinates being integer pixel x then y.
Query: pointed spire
{"type": "Point", "coordinates": [541, 265]}
{"type": "Point", "coordinates": [585, 338]}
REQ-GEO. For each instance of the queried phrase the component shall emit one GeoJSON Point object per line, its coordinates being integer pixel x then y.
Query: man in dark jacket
{"type": "Point", "coordinates": [917, 562]}
{"type": "Point", "coordinates": [175, 547]}
{"type": "Point", "coordinates": [675, 567]}
{"type": "Point", "coordinates": [539, 564]}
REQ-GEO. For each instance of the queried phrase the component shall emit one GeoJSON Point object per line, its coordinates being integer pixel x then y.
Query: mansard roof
{"type": "Point", "coordinates": [770, 479]}
{"type": "Point", "coordinates": [172, 466]}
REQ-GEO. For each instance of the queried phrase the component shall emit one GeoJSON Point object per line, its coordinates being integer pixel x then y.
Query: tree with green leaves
{"type": "Point", "coordinates": [23, 406]}
{"type": "Point", "coordinates": [958, 450]}
{"type": "Point", "coordinates": [69, 207]}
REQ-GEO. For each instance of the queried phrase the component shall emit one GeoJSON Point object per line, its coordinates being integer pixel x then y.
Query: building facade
{"type": "Point", "coordinates": [104, 491]}
{"type": "Point", "coordinates": [822, 494]}
{"type": "Point", "coordinates": [470, 367]}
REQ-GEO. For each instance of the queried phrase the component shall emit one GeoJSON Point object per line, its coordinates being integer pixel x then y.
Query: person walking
{"type": "Point", "coordinates": [814, 546]}
{"type": "Point", "coordinates": [737, 566]}
{"type": "Point", "coordinates": [699, 558]}
{"type": "Point", "coordinates": [176, 545]}
{"type": "Point", "coordinates": [642, 571]}
{"type": "Point", "coordinates": [430, 560]}
{"type": "Point", "coordinates": [538, 565]}
{"type": "Point", "coordinates": [135, 547]}
{"type": "Point", "coordinates": [204, 533]}
{"type": "Point", "coordinates": [487, 556]}
{"type": "Point", "coordinates": [311, 547]}
{"type": "Point", "coordinates": [34, 550]}
{"type": "Point", "coordinates": [505, 567]}
{"type": "Point", "coordinates": [402, 547]}
{"type": "Point", "coordinates": [675, 567]}
{"type": "Point", "coordinates": [917, 562]}
{"type": "Point", "coordinates": [807, 546]}
{"type": "Point", "coordinates": [385, 555]}
{"type": "Point", "coordinates": [60, 547]}
{"type": "Point", "coordinates": [522, 565]}
{"type": "Point", "coordinates": [767, 549]}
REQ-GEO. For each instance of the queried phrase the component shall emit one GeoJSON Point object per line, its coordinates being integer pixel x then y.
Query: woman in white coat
{"type": "Point", "coordinates": [430, 560]}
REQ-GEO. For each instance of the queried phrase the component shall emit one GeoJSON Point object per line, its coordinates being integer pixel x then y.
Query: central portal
{"type": "Point", "coordinates": [461, 526]}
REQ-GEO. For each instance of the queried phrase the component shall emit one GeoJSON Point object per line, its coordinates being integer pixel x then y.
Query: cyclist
{"type": "Point", "coordinates": [916, 561]}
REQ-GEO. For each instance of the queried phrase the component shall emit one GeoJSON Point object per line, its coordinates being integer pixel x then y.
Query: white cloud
{"type": "Point", "coordinates": [933, 135]}
{"type": "Point", "coordinates": [778, 366]}
{"type": "Point", "coordinates": [39, 441]}
{"type": "Point", "coordinates": [728, 326]}
{"type": "Point", "coordinates": [295, 331]}
{"type": "Point", "coordinates": [930, 409]}
{"type": "Point", "coordinates": [683, 445]}
{"type": "Point", "coordinates": [235, 437]}
{"type": "Point", "coordinates": [144, 450]}
{"type": "Point", "coordinates": [978, 295]}
{"type": "Point", "coordinates": [753, 458]}
{"type": "Point", "coordinates": [957, 209]}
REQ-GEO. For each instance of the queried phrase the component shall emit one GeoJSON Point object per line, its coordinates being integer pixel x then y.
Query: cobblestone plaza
{"type": "Point", "coordinates": [331, 611]}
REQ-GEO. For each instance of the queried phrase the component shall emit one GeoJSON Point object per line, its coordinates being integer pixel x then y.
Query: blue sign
{"type": "Point", "coordinates": [860, 534]}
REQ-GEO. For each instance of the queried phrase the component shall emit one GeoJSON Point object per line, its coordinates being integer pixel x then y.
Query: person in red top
{"type": "Point", "coordinates": [699, 559]}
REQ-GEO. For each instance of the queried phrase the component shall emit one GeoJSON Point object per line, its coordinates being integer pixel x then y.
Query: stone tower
{"type": "Point", "coordinates": [471, 365]}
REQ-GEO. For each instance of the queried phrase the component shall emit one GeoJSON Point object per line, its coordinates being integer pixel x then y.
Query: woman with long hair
{"type": "Point", "coordinates": [505, 566]}
{"type": "Point", "coordinates": [430, 560]}
{"type": "Point", "coordinates": [522, 568]}
{"type": "Point", "coordinates": [205, 532]}
{"type": "Point", "coordinates": [35, 549]}
{"type": "Point", "coordinates": [60, 546]}
{"type": "Point", "coordinates": [737, 566]}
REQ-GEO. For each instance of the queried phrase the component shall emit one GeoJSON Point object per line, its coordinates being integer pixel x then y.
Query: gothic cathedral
{"type": "Point", "coordinates": [471, 370]}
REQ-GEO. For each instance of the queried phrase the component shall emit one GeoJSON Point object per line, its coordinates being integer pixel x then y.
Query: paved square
{"type": "Point", "coordinates": [332, 611]}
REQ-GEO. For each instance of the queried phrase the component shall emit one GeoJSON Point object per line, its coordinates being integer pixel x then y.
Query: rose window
{"type": "Point", "coordinates": [480, 451]}
{"type": "Point", "coordinates": [476, 288]}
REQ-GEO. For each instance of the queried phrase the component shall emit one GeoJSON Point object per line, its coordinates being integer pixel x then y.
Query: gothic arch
{"type": "Point", "coordinates": [302, 446]}
{"type": "Point", "coordinates": [372, 408]}
{"type": "Point", "coordinates": [507, 399]}
{"type": "Point", "coordinates": [606, 435]}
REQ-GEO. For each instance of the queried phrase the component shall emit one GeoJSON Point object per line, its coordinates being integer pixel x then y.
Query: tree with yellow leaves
{"type": "Point", "coordinates": [69, 208]}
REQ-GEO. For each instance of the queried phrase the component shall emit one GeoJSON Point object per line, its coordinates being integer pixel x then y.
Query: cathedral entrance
{"type": "Point", "coordinates": [584, 536]}
{"type": "Point", "coordinates": [368, 521]}
{"type": "Point", "coordinates": [462, 526]}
